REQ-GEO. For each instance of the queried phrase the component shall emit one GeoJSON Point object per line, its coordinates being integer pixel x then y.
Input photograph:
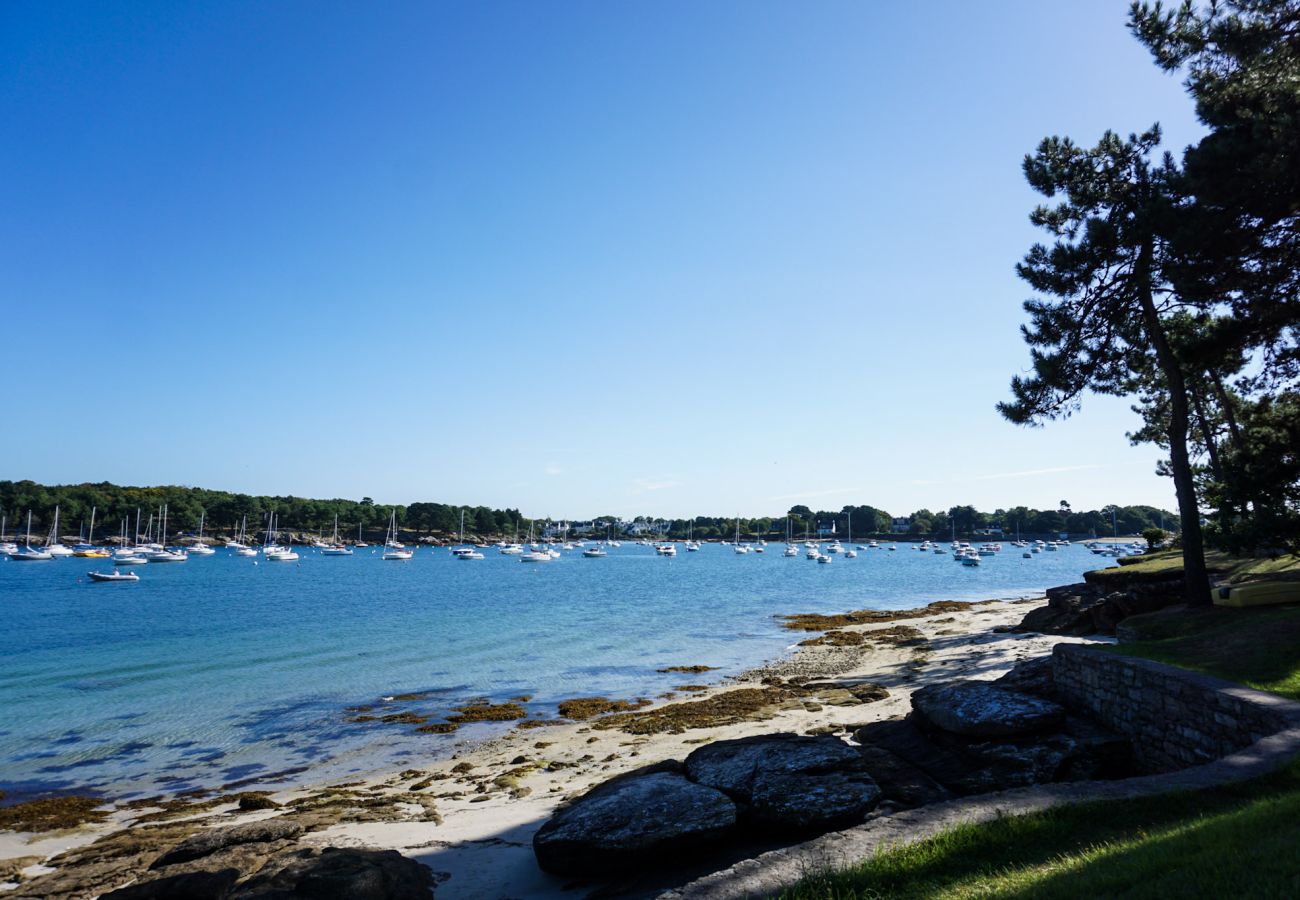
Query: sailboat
{"type": "Point", "coordinates": [175, 554]}
{"type": "Point", "coordinates": [393, 549]}
{"type": "Point", "coordinates": [28, 553]}
{"type": "Point", "coordinates": [200, 548]}
{"type": "Point", "coordinates": [6, 547]}
{"type": "Point", "coordinates": [52, 545]}
{"type": "Point", "coordinates": [360, 543]}
{"type": "Point", "coordinates": [738, 548]}
{"type": "Point", "coordinates": [125, 555]}
{"type": "Point", "coordinates": [336, 547]}
{"type": "Point", "coordinates": [273, 551]}
{"type": "Point", "coordinates": [850, 553]}
{"type": "Point", "coordinates": [464, 552]}
{"type": "Point", "coordinates": [87, 548]}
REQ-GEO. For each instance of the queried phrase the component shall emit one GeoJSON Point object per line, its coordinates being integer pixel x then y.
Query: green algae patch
{"type": "Point", "coordinates": [51, 814]}
{"type": "Point", "coordinates": [487, 712]}
{"type": "Point", "coordinates": [584, 708]}
{"type": "Point", "coordinates": [686, 670]}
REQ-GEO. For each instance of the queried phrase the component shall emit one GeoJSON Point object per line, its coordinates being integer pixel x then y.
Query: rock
{"type": "Point", "coordinates": [901, 783]}
{"type": "Point", "coordinates": [730, 766]}
{"type": "Point", "coordinates": [901, 738]}
{"type": "Point", "coordinates": [978, 709]}
{"type": "Point", "coordinates": [630, 821]}
{"type": "Point", "coordinates": [805, 802]}
{"type": "Point", "coordinates": [1033, 677]}
{"type": "Point", "coordinates": [185, 886]}
{"type": "Point", "coordinates": [788, 781]}
{"type": "Point", "coordinates": [207, 842]}
{"type": "Point", "coordinates": [338, 874]}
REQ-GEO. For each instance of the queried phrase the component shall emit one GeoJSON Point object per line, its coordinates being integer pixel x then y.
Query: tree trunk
{"type": "Point", "coordinates": [1196, 580]}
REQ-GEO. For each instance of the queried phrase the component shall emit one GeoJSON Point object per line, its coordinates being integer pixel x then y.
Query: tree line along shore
{"type": "Point", "coordinates": [223, 513]}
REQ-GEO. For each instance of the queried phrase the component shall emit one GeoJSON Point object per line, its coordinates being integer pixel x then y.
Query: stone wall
{"type": "Point", "coordinates": [1174, 717]}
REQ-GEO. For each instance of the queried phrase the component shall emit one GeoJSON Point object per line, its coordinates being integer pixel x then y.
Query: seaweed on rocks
{"type": "Point", "coordinates": [584, 708]}
{"type": "Point", "coordinates": [51, 814]}
{"type": "Point", "coordinates": [819, 622]}
{"type": "Point", "coordinates": [484, 711]}
{"type": "Point", "coordinates": [690, 670]}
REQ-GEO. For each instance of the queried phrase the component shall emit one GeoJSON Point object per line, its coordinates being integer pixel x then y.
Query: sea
{"type": "Point", "coordinates": [226, 672]}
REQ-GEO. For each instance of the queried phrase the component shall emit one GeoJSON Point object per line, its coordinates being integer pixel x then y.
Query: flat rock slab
{"type": "Point", "coordinates": [809, 802]}
{"type": "Point", "coordinates": [633, 821]}
{"type": "Point", "coordinates": [731, 766]}
{"type": "Point", "coordinates": [788, 781]}
{"type": "Point", "coordinates": [336, 873]}
{"type": "Point", "coordinates": [979, 709]}
{"type": "Point", "coordinates": [208, 842]}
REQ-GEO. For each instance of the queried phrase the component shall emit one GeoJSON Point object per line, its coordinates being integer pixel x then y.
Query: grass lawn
{"type": "Point", "coordinates": [1236, 841]}
{"type": "Point", "coordinates": [1165, 564]}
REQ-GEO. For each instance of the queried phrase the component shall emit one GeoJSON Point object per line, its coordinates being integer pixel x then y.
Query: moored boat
{"type": "Point", "coordinates": [113, 576]}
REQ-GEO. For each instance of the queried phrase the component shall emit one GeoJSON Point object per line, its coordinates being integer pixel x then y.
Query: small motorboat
{"type": "Point", "coordinates": [130, 560]}
{"type": "Point", "coordinates": [113, 576]}
{"type": "Point", "coordinates": [594, 553]}
{"type": "Point", "coordinates": [825, 558]}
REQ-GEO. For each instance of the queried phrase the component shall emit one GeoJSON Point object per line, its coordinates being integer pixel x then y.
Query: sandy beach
{"type": "Point", "coordinates": [471, 818]}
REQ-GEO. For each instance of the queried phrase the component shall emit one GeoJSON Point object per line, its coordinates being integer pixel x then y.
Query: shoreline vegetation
{"type": "Point", "coordinates": [839, 672]}
{"type": "Point", "coordinates": [223, 511]}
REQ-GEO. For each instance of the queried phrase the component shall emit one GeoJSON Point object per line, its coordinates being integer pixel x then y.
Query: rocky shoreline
{"type": "Point", "coordinates": [472, 818]}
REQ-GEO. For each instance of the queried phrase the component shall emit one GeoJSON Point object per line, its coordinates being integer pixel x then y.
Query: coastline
{"type": "Point", "coordinates": [470, 817]}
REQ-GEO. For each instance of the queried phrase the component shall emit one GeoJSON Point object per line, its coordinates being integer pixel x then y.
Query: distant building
{"type": "Point", "coordinates": [900, 524]}
{"type": "Point", "coordinates": [824, 530]}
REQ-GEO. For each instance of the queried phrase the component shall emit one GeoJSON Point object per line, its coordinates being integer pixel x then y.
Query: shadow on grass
{"type": "Point", "coordinates": [1238, 840]}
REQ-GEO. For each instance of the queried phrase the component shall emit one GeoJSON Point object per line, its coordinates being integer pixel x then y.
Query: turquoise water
{"type": "Point", "coordinates": [218, 671]}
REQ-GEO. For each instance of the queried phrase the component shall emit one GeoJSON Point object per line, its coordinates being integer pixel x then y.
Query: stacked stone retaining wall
{"type": "Point", "coordinates": [1175, 718]}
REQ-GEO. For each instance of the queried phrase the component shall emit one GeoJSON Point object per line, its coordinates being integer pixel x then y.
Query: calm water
{"type": "Point", "coordinates": [217, 670]}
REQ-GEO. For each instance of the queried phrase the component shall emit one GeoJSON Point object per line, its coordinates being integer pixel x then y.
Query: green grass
{"type": "Point", "coordinates": [1234, 841]}
{"type": "Point", "coordinates": [1165, 564]}
{"type": "Point", "coordinates": [1257, 647]}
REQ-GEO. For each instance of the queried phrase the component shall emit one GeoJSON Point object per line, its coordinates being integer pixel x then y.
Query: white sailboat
{"type": "Point", "coordinates": [164, 555]}
{"type": "Point", "coordinates": [463, 551]}
{"type": "Point", "coordinates": [737, 547]}
{"type": "Point", "coordinates": [28, 553]}
{"type": "Point", "coordinates": [52, 545]}
{"type": "Point", "coordinates": [392, 549]}
{"type": "Point", "coordinates": [336, 547]}
{"type": "Point", "coordinates": [6, 547]}
{"type": "Point", "coordinates": [199, 548]}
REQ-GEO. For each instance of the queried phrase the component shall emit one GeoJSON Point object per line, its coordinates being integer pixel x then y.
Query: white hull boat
{"type": "Point", "coordinates": [113, 576]}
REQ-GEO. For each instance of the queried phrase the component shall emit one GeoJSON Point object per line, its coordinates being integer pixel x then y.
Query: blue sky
{"type": "Point", "coordinates": [664, 258]}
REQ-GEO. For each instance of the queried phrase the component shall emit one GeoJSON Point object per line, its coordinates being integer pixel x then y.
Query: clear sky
{"type": "Point", "coordinates": [580, 258]}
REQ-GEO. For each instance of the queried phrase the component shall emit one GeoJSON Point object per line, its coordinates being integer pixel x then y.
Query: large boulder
{"type": "Point", "coordinates": [632, 821]}
{"type": "Point", "coordinates": [184, 886]}
{"type": "Point", "coordinates": [205, 843]}
{"type": "Point", "coordinates": [788, 781]}
{"type": "Point", "coordinates": [1033, 676]}
{"type": "Point", "coordinates": [979, 709]}
{"type": "Point", "coordinates": [338, 874]}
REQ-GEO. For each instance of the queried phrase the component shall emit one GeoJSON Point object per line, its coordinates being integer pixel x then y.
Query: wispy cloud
{"type": "Point", "coordinates": [553, 469]}
{"type": "Point", "coordinates": [642, 485]}
{"type": "Point", "coordinates": [808, 495]}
